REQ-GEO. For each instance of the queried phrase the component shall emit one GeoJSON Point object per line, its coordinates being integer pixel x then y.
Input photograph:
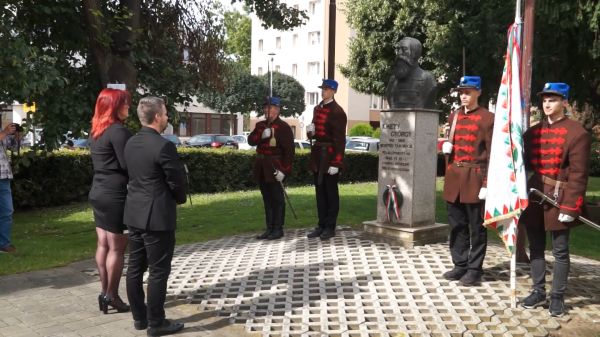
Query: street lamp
{"type": "Point", "coordinates": [270, 65]}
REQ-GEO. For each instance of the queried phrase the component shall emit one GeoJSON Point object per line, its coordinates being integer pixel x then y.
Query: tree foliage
{"type": "Point", "coordinates": [361, 129]}
{"type": "Point", "coordinates": [238, 29]}
{"type": "Point", "coordinates": [290, 91]}
{"type": "Point", "coordinates": [60, 53]}
{"type": "Point", "coordinates": [567, 43]}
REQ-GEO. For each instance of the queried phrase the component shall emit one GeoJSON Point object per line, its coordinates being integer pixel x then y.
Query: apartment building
{"type": "Point", "coordinates": [303, 53]}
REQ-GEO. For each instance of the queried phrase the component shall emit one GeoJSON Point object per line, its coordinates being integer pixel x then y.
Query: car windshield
{"type": "Point", "coordinates": [222, 139]}
{"type": "Point", "coordinates": [356, 145]}
{"type": "Point", "coordinates": [201, 139]}
{"type": "Point", "coordinates": [239, 139]}
{"type": "Point", "coordinates": [172, 138]}
{"type": "Point", "coordinates": [80, 142]}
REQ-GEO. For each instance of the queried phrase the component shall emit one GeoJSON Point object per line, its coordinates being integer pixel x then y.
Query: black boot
{"type": "Point", "coordinates": [266, 234]}
{"type": "Point", "coordinates": [276, 233]}
{"type": "Point", "coordinates": [315, 233]}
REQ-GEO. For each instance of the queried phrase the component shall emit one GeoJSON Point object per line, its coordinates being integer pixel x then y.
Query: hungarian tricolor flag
{"type": "Point", "coordinates": [507, 181]}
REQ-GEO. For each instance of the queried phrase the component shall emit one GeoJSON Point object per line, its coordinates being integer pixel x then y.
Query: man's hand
{"type": "Point", "coordinates": [482, 193]}
{"type": "Point", "coordinates": [279, 176]}
{"type": "Point", "coordinates": [565, 218]}
{"type": "Point", "coordinates": [447, 148]}
{"type": "Point", "coordinates": [333, 170]}
{"type": "Point", "coordinates": [266, 133]}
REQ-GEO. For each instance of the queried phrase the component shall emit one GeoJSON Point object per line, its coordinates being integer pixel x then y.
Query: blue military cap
{"type": "Point", "coordinates": [560, 89]}
{"type": "Point", "coordinates": [469, 82]}
{"type": "Point", "coordinates": [272, 100]}
{"type": "Point", "coordinates": [327, 83]}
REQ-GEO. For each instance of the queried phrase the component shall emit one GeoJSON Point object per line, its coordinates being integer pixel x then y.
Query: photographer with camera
{"type": "Point", "coordinates": [9, 139]}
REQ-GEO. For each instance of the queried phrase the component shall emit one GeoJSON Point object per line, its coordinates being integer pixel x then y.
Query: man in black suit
{"type": "Point", "coordinates": [156, 186]}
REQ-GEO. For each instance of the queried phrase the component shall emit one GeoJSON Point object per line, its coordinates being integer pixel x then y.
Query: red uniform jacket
{"type": "Point", "coordinates": [561, 152]}
{"type": "Point", "coordinates": [269, 158]}
{"type": "Point", "coordinates": [467, 164]}
{"type": "Point", "coordinates": [330, 136]}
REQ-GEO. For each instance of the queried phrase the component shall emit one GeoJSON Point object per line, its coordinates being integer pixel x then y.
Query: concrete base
{"type": "Point", "coordinates": [407, 236]}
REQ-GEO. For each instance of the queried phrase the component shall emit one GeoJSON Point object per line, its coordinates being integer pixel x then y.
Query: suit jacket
{"type": "Point", "coordinates": [156, 182]}
{"type": "Point", "coordinates": [466, 172]}
{"type": "Point", "coordinates": [269, 157]}
{"type": "Point", "coordinates": [330, 129]}
{"type": "Point", "coordinates": [560, 151]}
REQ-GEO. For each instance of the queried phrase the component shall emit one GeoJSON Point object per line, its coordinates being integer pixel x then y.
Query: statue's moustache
{"type": "Point", "coordinates": [407, 60]}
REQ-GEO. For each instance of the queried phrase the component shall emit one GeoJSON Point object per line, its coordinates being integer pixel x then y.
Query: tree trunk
{"type": "Point", "coordinates": [113, 59]}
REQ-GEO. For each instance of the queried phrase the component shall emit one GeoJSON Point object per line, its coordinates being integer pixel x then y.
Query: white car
{"type": "Point", "coordinates": [362, 144]}
{"type": "Point", "coordinates": [242, 141]}
{"type": "Point", "coordinates": [301, 144]}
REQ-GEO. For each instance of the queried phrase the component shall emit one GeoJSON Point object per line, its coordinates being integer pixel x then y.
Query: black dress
{"type": "Point", "coordinates": [109, 188]}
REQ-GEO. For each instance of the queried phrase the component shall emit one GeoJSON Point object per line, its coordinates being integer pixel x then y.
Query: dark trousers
{"type": "Point", "coordinates": [328, 200]}
{"type": "Point", "coordinates": [153, 251]}
{"type": "Point", "coordinates": [274, 201]}
{"type": "Point", "coordinates": [560, 249]}
{"type": "Point", "coordinates": [468, 237]}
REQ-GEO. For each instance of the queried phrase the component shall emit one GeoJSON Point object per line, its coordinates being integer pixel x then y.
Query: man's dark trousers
{"type": "Point", "coordinates": [274, 201]}
{"type": "Point", "coordinates": [468, 237]}
{"type": "Point", "coordinates": [328, 200]}
{"type": "Point", "coordinates": [153, 250]}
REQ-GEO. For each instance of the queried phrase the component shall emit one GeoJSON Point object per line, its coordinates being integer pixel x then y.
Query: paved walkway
{"type": "Point", "coordinates": [349, 286]}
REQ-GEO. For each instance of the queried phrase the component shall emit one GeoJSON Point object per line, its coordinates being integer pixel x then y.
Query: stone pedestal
{"type": "Point", "coordinates": [407, 168]}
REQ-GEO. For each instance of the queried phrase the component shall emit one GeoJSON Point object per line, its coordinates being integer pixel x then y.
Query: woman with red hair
{"type": "Point", "coordinates": [109, 190]}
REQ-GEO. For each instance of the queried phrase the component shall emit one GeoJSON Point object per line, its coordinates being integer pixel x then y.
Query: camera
{"type": "Point", "coordinates": [18, 127]}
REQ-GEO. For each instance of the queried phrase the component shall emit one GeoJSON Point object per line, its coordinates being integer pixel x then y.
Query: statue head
{"type": "Point", "coordinates": [408, 51]}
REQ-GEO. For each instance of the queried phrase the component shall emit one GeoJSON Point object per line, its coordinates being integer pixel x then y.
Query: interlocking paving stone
{"type": "Point", "coordinates": [353, 286]}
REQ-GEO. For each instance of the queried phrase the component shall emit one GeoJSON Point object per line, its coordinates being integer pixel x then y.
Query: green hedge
{"type": "Point", "coordinates": [595, 160]}
{"type": "Point", "coordinates": [65, 176]}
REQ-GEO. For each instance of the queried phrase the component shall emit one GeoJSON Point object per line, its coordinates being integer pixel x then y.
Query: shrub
{"type": "Point", "coordinates": [595, 160]}
{"type": "Point", "coordinates": [361, 129]}
{"type": "Point", "coordinates": [66, 176]}
{"type": "Point", "coordinates": [377, 133]}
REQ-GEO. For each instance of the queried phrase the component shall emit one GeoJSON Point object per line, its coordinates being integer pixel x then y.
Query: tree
{"type": "Point", "coordinates": [60, 53]}
{"type": "Point", "coordinates": [238, 29]}
{"type": "Point", "coordinates": [290, 91]}
{"type": "Point", "coordinates": [567, 43]}
{"type": "Point", "coordinates": [361, 129]}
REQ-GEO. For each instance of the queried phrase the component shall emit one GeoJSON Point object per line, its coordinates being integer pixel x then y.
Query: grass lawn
{"type": "Point", "coordinates": [57, 236]}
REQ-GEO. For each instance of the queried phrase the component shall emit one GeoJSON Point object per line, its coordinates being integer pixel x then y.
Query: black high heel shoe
{"type": "Point", "coordinates": [117, 303]}
{"type": "Point", "coordinates": [100, 301]}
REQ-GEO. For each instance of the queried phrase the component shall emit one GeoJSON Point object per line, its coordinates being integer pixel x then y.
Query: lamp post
{"type": "Point", "coordinates": [270, 65]}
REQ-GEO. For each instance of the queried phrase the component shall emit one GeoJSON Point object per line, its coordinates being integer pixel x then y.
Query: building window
{"type": "Point", "coordinates": [294, 70]}
{"type": "Point", "coordinates": [278, 42]}
{"type": "Point", "coordinates": [314, 38]}
{"type": "Point", "coordinates": [278, 68]}
{"type": "Point", "coordinates": [295, 40]}
{"type": "Point", "coordinates": [376, 102]}
{"type": "Point", "coordinates": [312, 98]}
{"type": "Point", "coordinates": [312, 7]}
{"type": "Point", "coordinates": [314, 68]}
{"type": "Point", "coordinates": [260, 71]}
{"type": "Point", "coordinates": [260, 45]}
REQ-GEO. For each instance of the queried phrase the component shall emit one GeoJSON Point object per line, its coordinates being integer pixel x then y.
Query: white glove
{"type": "Point", "coordinates": [279, 176]}
{"type": "Point", "coordinates": [266, 133]}
{"type": "Point", "coordinates": [447, 148]}
{"type": "Point", "coordinates": [565, 218]}
{"type": "Point", "coordinates": [482, 193]}
{"type": "Point", "coordinates": [310, 128]}
{"type": "Point", "coordinates": [333, 170]}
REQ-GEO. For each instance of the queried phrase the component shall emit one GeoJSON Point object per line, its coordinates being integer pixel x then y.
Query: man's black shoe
{"type": "Point", "coordinates": [315, 233]}
{"type": "Point", "coordinates": [535, 299]}
{"type": "Point", "coordinates": [166, 328]}
{"type": "Point", "coordinates": [266, 234]}
{"type": "Point", "coordinates": [327, 234]}
{"type": "Point", "coordinates": [557, 306]}
{"type": "Point", "coordinates": [140, 325]}
{"type": "Point", "coordinates": [454, 274]}
{"type": "Point", "coordinates": [276, 233]}
{"type": "Point", "coordinates": [470, 279]}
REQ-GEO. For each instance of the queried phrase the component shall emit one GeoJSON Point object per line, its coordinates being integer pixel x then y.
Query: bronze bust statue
{"type": "Point", "coordinates": [410, 86]}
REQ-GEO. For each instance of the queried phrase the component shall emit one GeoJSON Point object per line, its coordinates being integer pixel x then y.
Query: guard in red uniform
{"type": "Point", "coordinates": [557, 152]}
{"type": "Point", "coordinates": [468, 154]}
{"type": "Point", "coordinates": [274, 142]}
{"type": "Point", "coordinates": [328, 130]}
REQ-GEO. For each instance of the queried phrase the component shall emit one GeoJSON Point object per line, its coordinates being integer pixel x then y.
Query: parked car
{"type": "Point", "coordinates": [212, 141]}
{"type": "Point", "coordinates": [242, 141]}
{"type": "Point", "coordinates": [301, 144]}
{"type": "Point", "coordinates": [362, 144]}
{"type": "Point", "coordinates": [173, 138]}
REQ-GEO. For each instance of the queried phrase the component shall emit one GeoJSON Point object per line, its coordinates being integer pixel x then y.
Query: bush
{"type": "Point", "coordinates": [361, 129]}
{"type": "Point", "coordinates": [595, 160]}
{"type": "Point", "coordinates": [65, 176]}
{"type": "Point", "coordinates": [377, 133]}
